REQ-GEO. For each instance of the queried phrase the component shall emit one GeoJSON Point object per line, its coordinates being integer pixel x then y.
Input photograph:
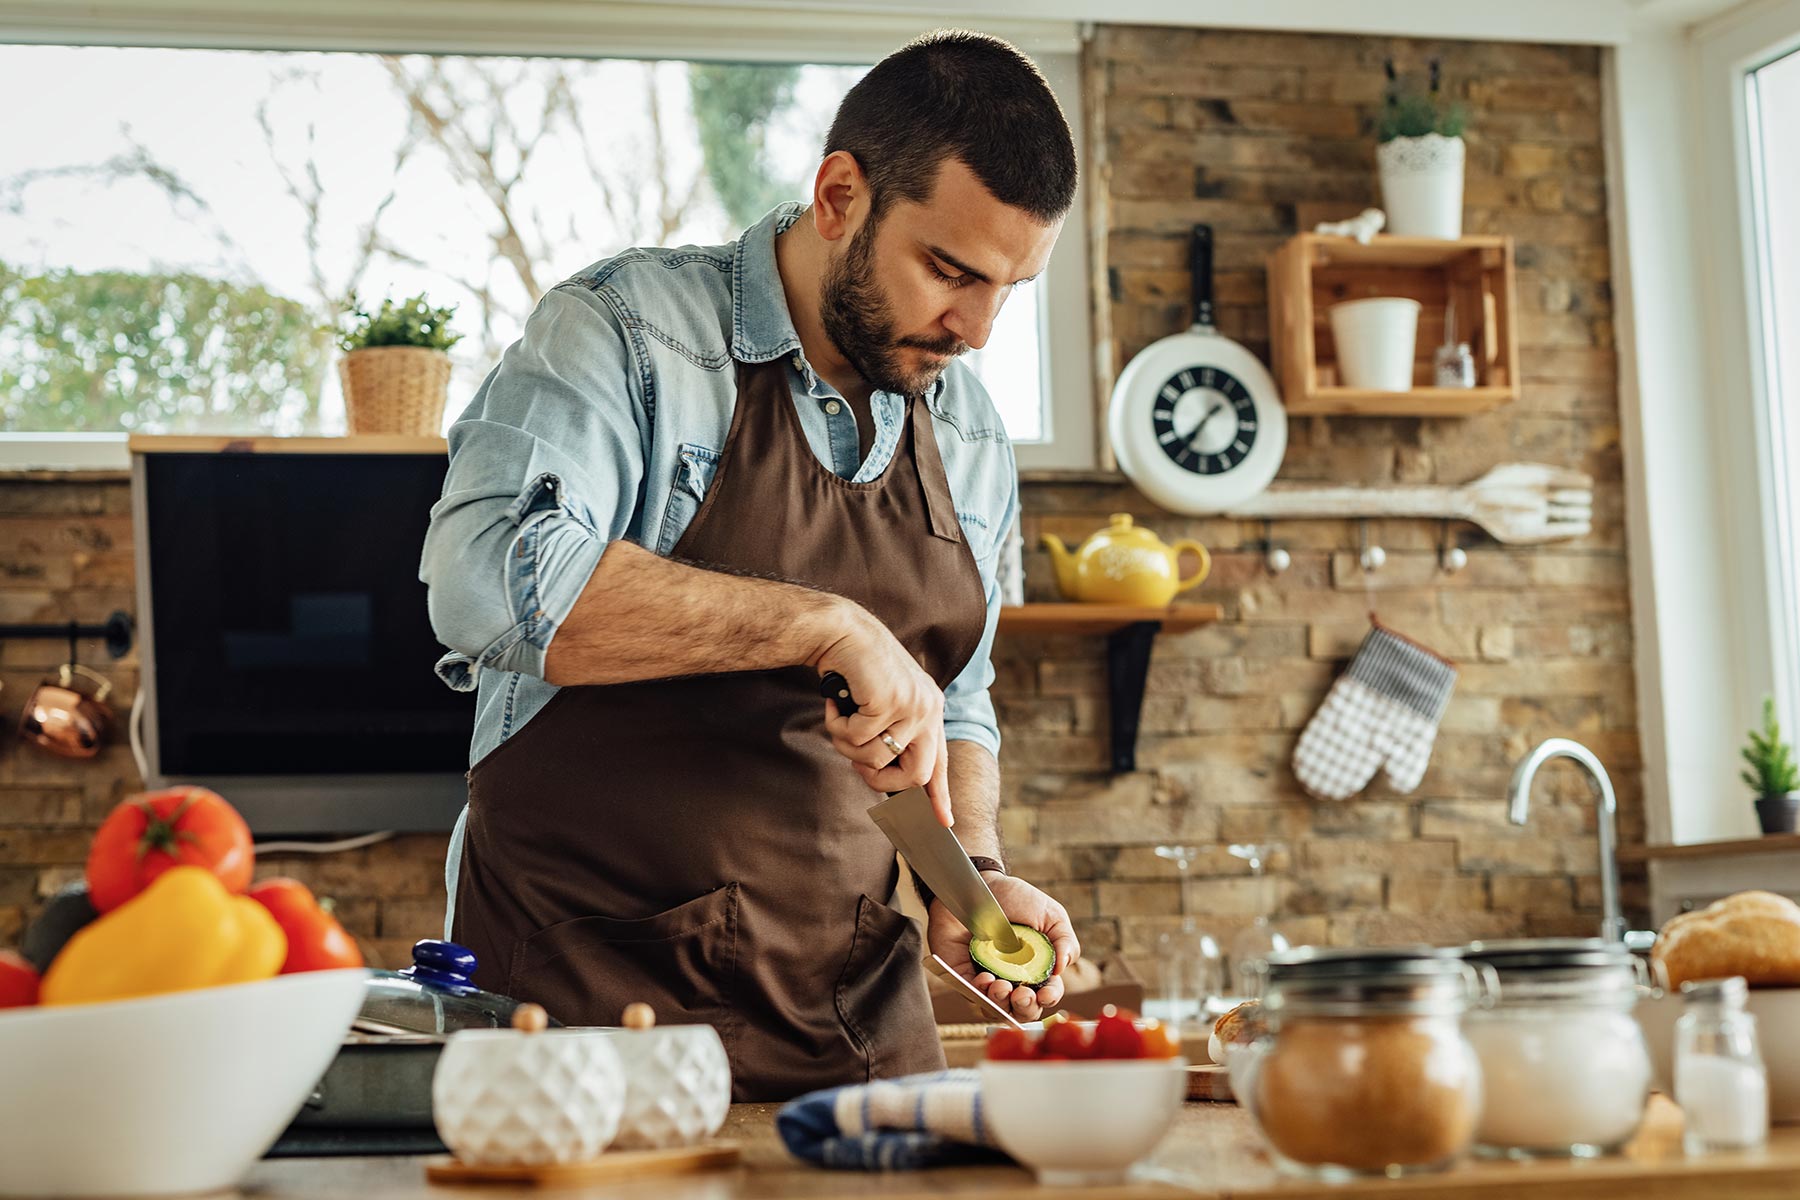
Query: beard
{"type": "Point", "coordinates": [860, 323]}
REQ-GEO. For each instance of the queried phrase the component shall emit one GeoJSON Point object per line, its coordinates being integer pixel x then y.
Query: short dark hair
{"type": "Point", "coordinates": [957, 94]}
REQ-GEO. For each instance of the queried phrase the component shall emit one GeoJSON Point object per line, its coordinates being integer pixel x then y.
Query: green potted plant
{"type": "Point", "coordinates": [1773, 774]}
{"type": "Point", "coordinates": [1421, 157]}
{"type": "Point", "coordinates": [396, 366]}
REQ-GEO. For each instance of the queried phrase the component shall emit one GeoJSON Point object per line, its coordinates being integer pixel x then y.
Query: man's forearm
{"type": "Point", "coordinates": [642, 616]}
{"type": "Point", "coordinates": [975, 798]}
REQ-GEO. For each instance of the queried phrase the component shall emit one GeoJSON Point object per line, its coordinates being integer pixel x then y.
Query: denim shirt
{"type": "Point", "coordinates": [606, 420]}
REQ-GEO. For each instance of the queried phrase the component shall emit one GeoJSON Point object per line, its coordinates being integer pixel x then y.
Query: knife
{"type": "Point", "coordinates": [932, 850]}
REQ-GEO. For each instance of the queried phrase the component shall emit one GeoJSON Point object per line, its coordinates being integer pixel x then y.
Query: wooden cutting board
{"type": "Point", "coordinates": [614, 1164]}
{"type": "Point", "coordinates": [1209, 1082]}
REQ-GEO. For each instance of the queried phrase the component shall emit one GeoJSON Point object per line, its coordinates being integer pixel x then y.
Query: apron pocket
{"type": "Point", "coordinates": [881, 995]}
{"type": "Point", "coordinates": [681, 962]}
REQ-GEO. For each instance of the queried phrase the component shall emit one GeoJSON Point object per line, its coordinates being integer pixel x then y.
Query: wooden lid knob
{"type": "Point", "coordinates": [639, 1016]}
{"type": "Point", "coordinates": [530, 1018]}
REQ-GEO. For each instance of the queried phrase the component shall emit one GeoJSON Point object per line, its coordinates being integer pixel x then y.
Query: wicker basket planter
{"type": "Point", "coordinates": [395, 389]}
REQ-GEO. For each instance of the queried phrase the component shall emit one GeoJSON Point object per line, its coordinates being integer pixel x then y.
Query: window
{"type": "Point", "coordinates": [179, 227]}
{"type": "Point", "coordinates": [1772, 112]}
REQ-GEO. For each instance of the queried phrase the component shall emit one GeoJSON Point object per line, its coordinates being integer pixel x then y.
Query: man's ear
{"type": "Point", "coordinates": [840, 201]}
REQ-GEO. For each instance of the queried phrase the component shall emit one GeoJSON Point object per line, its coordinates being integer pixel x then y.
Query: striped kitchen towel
{"type": "Point", "coordinates": [929, 1120]}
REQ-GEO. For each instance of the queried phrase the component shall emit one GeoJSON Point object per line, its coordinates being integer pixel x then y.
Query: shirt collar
{"type": "Point", "coordinates": [761, 326]}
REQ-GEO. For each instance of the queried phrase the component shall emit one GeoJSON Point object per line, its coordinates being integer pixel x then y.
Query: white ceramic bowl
{"type": "Point", "coordinates": [1777, 1012]}
{"type": "Point", "coordinates": [502, 1097]}
{"type": "Point", "coordinates": [179, 1092]}
{"type": "Point", "coordinates": [1082, 1123]}
{"type": "Point", "coordinates": [677, 1085]}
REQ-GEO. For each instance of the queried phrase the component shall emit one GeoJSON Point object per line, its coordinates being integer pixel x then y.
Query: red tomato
{"type": "Point", "coordinates": [315, 939]}
{"type": "Point", "coordinates": [1064, 1038]}
{"type": "Point", "coordinates": [1116, 1037]}
{"type": "Point", "coordinates": [146, 835]}
{"type": "Point", "coordinates": [1158, 1042]}
{"type": "Point", "coordinates": [18, 981]}
{"type": "Point", "coordinates": [1007, 1044]}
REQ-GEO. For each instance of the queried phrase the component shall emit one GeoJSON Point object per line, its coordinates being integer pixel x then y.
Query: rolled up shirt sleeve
{"type": "Point", "coordinates": [968, 706]}
{"type": "Point", "coordinates": [545, 470]}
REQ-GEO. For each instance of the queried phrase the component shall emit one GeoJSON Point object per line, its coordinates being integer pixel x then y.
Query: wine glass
{"type": "Point", "coordinates": [1189, 965]}
{"type": "Point", "coordinates": [1259, 939]}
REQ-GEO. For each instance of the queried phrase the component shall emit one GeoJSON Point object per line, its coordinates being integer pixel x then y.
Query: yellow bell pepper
{"type": "Point", "coordinates": [183, 931]}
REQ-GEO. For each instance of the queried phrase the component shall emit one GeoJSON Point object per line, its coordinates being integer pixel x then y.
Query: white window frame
{"type": "Point", "coordinates": [601, 30]}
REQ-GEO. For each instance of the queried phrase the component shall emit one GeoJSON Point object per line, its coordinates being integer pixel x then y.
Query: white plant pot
{"type": "Point", "coordinates": [1376, 339]}
{"type": "Point", "coordinates": [1422, 185]}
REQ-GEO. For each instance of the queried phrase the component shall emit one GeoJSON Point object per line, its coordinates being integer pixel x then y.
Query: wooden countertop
{"type": "Point", "coordinates": [1212, 1152]}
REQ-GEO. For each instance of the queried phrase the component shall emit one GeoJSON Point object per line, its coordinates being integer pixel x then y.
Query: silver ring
{"type": "Point", "coordinates": [888, 741]}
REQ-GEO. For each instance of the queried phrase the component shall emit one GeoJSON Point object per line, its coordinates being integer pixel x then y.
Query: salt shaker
{"type": "Point", "coordinates": [1720, 1080]}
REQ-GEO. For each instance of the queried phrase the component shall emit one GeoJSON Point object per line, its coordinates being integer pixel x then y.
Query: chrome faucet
{"type": "Point", "coordinates": [1518, 796]}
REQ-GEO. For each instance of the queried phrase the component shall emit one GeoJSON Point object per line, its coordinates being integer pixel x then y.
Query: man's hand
{"type": "Point", "coordinates": [1024, 905]}
{"type": "Point", "coordinates": [897, 701]}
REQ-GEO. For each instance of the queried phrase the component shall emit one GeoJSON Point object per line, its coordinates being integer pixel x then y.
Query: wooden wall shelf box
{"type": "Point", "coordinates": [1311, 272]}
{"type": "Point", "coordinates": [1130, 632]}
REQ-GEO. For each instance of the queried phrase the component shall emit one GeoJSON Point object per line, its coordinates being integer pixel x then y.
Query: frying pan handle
{"type": "Point", "coordinates": [1200, 263]}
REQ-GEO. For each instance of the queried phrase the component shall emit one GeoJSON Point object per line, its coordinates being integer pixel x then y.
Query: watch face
{"type": "Point", "coordinates": [1205, 420]}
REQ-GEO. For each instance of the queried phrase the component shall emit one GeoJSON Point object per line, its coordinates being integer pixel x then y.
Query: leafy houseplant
{"type": "Point", "coordinates": [1772, 775]}
{"type": "Point", "coordinates": [396, 366]}
{"type": "Point", "coordinates": [1421, 156]}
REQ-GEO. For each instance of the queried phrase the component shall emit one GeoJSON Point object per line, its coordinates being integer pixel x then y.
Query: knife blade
{"type": "Point", "coordinates": [933, 851]}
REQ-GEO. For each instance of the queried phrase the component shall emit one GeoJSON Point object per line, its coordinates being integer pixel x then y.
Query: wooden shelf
{"type": "Point", "coordinates": [1770, 843]}
{"type": "Point", "coordinates": [1309, 273]}
{"type": "Point", "coordinates": [372, 443]}
{"type": "Point", "coordinates": [1130, 633]}
{"type": "Point", "coordinates": [1420, 402]}
{"type": "Point", "coordinates": [1104, 618]}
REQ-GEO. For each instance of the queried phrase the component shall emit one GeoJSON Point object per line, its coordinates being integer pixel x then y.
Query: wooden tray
{"type": "Point", "coordinates": [615, 1164]}
{"type": "Point", "coordinates": [1209, 1082]}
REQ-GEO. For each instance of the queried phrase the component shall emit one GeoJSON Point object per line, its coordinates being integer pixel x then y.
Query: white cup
{"type": "Point", "coordinates": [503, 1097]}
{"type": "Point", "coordinates": [1375, 342]}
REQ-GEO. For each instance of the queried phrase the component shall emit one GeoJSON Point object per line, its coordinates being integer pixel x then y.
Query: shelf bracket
{"type": "Point", "coordinates": [1127, 669]}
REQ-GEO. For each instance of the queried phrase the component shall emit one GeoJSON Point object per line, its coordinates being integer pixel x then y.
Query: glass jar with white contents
{"type": "Point", "coordinates": [1564, 1066]}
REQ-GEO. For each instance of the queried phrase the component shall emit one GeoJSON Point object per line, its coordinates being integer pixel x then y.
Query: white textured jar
{"type": "Point", "coordinates": [677, 1085]}
{"type": "Point", "coordinates": [1564, 1066]}
{"type": "Point", "coordinates": [503, 1097]}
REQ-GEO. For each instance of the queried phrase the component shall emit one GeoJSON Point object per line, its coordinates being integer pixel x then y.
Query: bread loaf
{"type": "Point", "coordinates": [1239, 1027]}
{"type": "Point", "coordinates": [1753, 934]}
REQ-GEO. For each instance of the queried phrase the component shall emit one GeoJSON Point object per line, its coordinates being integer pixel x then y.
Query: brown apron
{"type": "Point", "coordinates": [697, 843]}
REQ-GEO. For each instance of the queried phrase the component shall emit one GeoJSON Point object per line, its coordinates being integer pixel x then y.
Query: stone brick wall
{"type": "Point", "coordinates": [1256, 133]}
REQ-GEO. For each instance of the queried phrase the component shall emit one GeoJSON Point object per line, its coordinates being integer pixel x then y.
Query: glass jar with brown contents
{"type": "Point", "coordinates": [1365, 1070]}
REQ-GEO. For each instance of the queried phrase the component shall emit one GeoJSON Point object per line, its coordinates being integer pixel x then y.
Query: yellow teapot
{"type": "Point", "coordinates": [1124, 564]}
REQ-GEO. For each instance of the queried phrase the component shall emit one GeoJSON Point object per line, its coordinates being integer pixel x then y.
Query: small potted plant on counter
{"type": "Point", "coordinates": [1421, 158]}
{"type": "Point", "coordinates": [396, 366]}
{"type": "Point", "coordinates": [1773, 775]}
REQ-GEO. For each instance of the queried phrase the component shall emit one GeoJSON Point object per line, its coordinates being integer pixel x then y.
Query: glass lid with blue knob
{"type": "Point", "coordinates": [435, 995]}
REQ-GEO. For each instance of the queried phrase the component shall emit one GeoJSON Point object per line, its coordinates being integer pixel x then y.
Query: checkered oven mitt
{"type": "Point", "coordinates": [1382, 712]}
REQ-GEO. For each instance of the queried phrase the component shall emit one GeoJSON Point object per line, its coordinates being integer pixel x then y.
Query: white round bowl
{"type": "Point", "coordinates": [503, 1097]}
{"type": "Point", "coordinates": [1082, 1123]}
{"type": "Point", "coordinates": [677, 1085]}
{"type": "Point", "coordinates": [179, 1092]}
{"type": "Point", "coordinates": [1777, 1012]}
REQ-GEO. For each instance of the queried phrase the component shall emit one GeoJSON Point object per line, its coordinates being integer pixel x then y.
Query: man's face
{"type": "Point", "coordinates": [907, 292]}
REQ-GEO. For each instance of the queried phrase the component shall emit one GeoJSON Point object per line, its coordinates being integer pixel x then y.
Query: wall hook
{"type": "Point", "coordinates": [1276, 558]}
{"type": "Point", "coordinates": [1451, 557]}
{"type": "Point", "coordinates": [1373, 557]}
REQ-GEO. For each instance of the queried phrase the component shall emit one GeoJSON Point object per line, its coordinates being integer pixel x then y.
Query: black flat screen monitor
{"type": "Point", "coordinates": [286, 645]}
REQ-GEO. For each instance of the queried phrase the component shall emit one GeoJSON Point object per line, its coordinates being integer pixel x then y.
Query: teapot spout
{"type": "Point", "coordinates": [1064, 562]}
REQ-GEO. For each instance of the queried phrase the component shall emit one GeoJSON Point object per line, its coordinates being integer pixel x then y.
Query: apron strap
{"type": "Point", "coordinates": [930, 469]}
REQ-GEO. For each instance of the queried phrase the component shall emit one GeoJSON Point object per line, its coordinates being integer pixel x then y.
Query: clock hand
{"type": "Point", "coordinates": [1212, 412]}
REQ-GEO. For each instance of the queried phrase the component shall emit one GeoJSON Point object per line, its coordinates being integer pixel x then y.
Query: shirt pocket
{"type": "Point", "coordinates": [694, 469]}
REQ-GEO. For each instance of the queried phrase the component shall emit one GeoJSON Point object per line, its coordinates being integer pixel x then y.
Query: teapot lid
{"type": "Point", "coordinates": [434, 995]}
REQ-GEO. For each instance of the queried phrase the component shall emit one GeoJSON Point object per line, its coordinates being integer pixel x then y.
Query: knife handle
{"type": "Point", "coordinates": [835, 687]}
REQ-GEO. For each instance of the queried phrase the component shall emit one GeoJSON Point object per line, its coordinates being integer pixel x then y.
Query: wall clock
{"type": "Point", "coordinates": [1196, 421]}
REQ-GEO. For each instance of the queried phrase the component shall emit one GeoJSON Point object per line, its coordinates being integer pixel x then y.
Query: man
{"type": "Point", "coordinates": [701, 479]}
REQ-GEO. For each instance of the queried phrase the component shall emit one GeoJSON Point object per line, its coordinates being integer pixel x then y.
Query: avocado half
{"type": "Point", "coordinates": [1030, 964]}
